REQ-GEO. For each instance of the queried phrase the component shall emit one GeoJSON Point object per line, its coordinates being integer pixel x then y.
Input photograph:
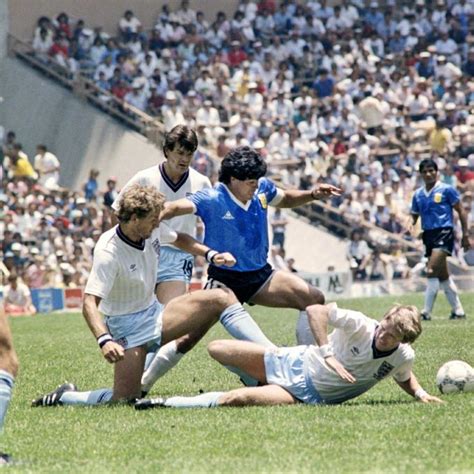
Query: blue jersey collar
{"type": "Point", "coordinates": [427, 193]}
{"type": "Point", "coordinates": [245, 206]}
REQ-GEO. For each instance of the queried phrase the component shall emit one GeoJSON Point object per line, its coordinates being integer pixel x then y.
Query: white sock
{"type": "Point", "coordinates": [93, 397]}
{"type": "Point", "coordinates": [6, 386]}
{"type": "Point", "coordinates": [240, 325]}
{"type": "Point", "coordinates": [451, 292]}
{"type": "Point", "coordinates": [304, 336]}
{"type": "Point", "coordinates": [431, 291]}
{"type": "Point", "coordinates": [163, 361]}
{"type": "Point", "coordinates": [205, 400]}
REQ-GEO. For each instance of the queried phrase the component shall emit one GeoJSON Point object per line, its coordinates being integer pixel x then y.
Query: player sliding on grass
{"type": "Point", "coordinates": [434, 203]}
{"type": "Point", "coordinates": [121, 286]}
{"type": "Point", "coordinates": [235, 218]}
{"type": "Point", "coordinates": [358, 354]}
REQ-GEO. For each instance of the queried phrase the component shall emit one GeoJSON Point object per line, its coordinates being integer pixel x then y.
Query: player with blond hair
{"type": "Point", "coordinates": [358, 354]}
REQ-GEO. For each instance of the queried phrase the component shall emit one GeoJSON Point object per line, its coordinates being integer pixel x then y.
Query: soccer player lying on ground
{"type": "Point", "coordinates": [122, 284]}
{"type": "Point", "coordinates": [434, 203]}
{"type": "Point", "coordinates": [235, 218]}
{"type": "Point", "coordinates": [359, 353]}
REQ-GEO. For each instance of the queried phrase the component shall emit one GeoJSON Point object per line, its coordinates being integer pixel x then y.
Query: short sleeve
{"type": "Point", "coordinates": [166, 234]}
{"type": "Point", "coordinates": [272, 194]}
{"type": "Point", "coordinates": [202, 202]}
{"type": "Point", "coordinates": [452, 196]}
{"type": "Point", "coordinates": [414, 205]}
{"type": "Point", "coordinates": [346, 319]}
{"type": "Point", "coordinates": [134, 179]}
{"type": "Point", "coordinates": [103, 273]}
{"type": "Point", "coordinates": [403, 373]}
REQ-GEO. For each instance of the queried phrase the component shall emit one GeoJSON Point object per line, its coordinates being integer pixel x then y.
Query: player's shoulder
{"type": "Point", "coordinates": [406, 351]}
{"type": "Point", "coordinates": [198, 177]}
{"type": "Point", "coordinates": [107, 241]}
{"type": "Point", "coordinates": [146, 174]}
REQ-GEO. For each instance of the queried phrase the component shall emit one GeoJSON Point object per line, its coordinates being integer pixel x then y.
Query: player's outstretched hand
{"type": "Point", "coordinates": [224, 258]}
{"type": "Point", "coordinates": [430, 399]}
{"type": "Point", "coordinates": [325, 190]}
{"type": "Point", "coordinates": [339, 369]}
{"type": "Point", "coordinates": [113, 352]}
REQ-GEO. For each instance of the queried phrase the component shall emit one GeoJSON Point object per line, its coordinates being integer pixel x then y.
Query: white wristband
{"type": "Point", "coordinates": [210, 254]}
{"type": "Point", "coordinates": [420, 393]}
{"type": "Point", "coordinates": [326, 351]}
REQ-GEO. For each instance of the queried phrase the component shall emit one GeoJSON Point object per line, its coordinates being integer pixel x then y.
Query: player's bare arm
{"type": "Point", "coordinates": [296, 197]}
{"type": "Point", "coordinates": [463, 219]}
{"type": "Point", "coordinates": [191, 245]}
{"type": "Point", "coordinates": [413, 388]}
{"type": "Point", "coordinates": [177, 208]}
{"type": "Point", "coordinates": [111, 351]}
{"type": "Point", "coordinates": [318, 317]}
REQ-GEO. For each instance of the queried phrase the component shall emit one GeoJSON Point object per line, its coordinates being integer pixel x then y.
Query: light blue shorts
{"type": "Point", "coordinates": [284, 367]}
{"type": "Point", "coordinates": [138, 329]}
{"type": "Point", "coordinates": [175, 265]}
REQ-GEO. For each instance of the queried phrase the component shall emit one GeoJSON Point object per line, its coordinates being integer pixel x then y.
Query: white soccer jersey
{"type": "Point", "coordinates": [353, 344]}
{"type": "Point", "coordinates": [124, 273]}
{"type": "Point", "coordinates": [190, 182]}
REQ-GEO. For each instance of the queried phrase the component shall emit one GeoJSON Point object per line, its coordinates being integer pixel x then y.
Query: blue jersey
{"type": "Point", "coordinates": [435, 207]}
{"type": "Point", "coordinates": [231, 226]}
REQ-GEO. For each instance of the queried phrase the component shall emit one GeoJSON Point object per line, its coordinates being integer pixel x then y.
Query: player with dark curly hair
{"type": "Point", "coordinates": [234, 213]}
{"type": "Point", "coordinates": [434, 203]}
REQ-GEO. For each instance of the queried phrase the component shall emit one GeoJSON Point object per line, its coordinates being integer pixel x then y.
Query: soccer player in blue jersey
{"type": "Point", "coordinates": [434, 203]}
{"type": "Point", "coordinates": [235, 218]}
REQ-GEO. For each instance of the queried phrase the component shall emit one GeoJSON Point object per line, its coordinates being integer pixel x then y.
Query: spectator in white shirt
{"type": "Point", "coordinates": [17, 298]}
{"type": "Point", "coordinates": [47, 166]}
{"type": "Point", "coordinates": [128, 24]}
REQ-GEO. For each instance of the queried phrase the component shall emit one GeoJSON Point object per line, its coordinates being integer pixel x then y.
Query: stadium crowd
{"type": "Point", "coordinates": [47, 232]}
{"type": "Point", "coordinates": [355, 95]}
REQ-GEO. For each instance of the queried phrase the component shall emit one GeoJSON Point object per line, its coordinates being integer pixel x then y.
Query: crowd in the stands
{"type": "Point", "coordinates": [354, 94]}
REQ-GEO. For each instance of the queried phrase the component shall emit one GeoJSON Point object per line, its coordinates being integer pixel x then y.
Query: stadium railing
{"type": "Point", "coordinates": [330, 217]}
{"type": "Point", "coordinates": [333, 219]}
{"type": "Point", "coordinates": [83, 87]}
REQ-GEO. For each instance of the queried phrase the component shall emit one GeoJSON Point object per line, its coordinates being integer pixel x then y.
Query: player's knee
{"type": "Point", "coordinates": [317, 297]}
{"type": "Point", "coordinates": [216, 348]}
{"type": "Point", "coordinates": [9, 362]}
{"type": "Point", "coordinates": [224, 297]}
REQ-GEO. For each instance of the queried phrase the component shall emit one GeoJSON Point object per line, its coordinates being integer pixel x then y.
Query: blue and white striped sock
{"type": "Point", "coordinates": [205, 400]}
{"type": "Point", "coordinates": [240, 325]}
{"type": "Point", "coordinates": [93, 397]}
{"type": "Point", "coordinates": [6, 387]}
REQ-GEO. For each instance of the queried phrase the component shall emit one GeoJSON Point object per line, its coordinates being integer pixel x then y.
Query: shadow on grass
{"type": "Point", "coordinates": [379, 402]}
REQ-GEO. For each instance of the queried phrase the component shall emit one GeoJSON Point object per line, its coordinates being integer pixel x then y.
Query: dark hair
{"type": "Point", "coordinates": [182, 137]}
{"type": "Point", "coordinates": [42, 147]}
{"type": "Point", "coordinates": [242, 163]}
{"type": "Point", "coordinates": [427, 163]}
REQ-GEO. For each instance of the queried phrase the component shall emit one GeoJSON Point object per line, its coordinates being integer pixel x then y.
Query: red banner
{"type": "Point", "coordinates": [73, 297]}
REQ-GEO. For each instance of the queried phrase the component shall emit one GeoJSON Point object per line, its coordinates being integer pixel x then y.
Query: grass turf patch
{"type": "Point", "coordinates": [384, 430]}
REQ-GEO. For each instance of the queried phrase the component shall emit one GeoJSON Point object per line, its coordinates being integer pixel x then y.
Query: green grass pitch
{"type": "Point", "coordinates": [382, 431]}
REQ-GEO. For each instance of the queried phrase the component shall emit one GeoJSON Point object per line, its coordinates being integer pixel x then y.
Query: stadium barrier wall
{"type": "Point", "coordinates": [82, 137]}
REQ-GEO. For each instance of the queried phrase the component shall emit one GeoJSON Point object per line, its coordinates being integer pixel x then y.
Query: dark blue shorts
{"type": "Point", "coordinates": [440, 239]}
{"type": "Point", "coordinates": [243, 284]}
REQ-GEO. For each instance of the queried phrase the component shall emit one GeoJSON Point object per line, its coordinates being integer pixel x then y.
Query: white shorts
{"type": "Point", "coordinates": [174, 265]}
{"type": "Point", "coordinates": [138, 329]}
{"type": "Point", "coordinates": [284, 366]}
